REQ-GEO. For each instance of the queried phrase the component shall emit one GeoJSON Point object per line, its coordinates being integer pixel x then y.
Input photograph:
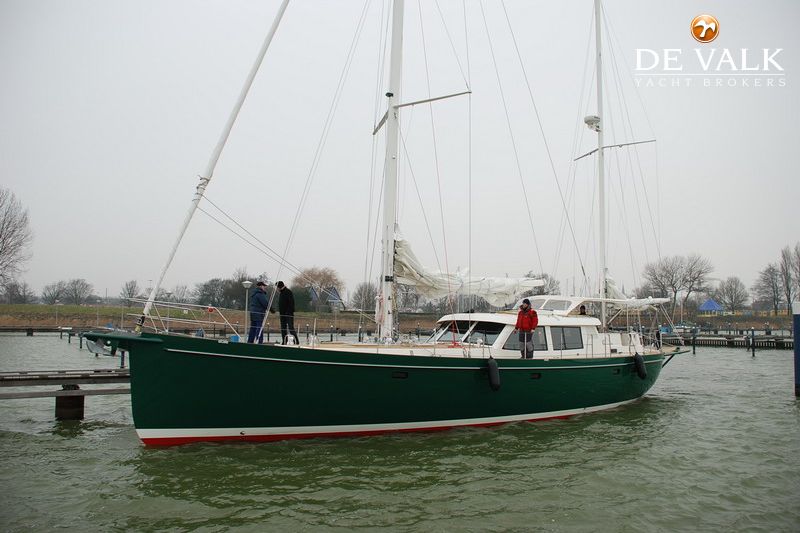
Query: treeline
{"type": "Point", "coordinates": [686, 280]}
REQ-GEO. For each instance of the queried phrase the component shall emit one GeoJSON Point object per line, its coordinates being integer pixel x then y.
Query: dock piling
{"type": "Point", "coordinates": [70, 407]}
{"type": "Point", "coordinates": [795, 327]}
{"type": "Point", "coordinates": [753, 340]}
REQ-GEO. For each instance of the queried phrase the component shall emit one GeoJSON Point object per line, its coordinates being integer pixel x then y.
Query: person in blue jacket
{"type": "Point", "coordinates": [258, 310]}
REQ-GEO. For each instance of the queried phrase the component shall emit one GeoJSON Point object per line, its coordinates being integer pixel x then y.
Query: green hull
{"type": "Point", "coordinates": [186, 389]}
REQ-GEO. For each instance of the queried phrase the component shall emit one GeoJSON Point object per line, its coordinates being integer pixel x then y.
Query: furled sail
{"type": "Point", "coordinates": [618, 298]}
{"type": "Point", "coordinates": [436, 284]}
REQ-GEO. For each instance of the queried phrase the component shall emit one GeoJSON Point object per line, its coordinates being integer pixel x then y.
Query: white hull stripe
{"type": "Point", "coordinates": [151, 434]}
{"type": "Point", "coordinates": [337, 363]}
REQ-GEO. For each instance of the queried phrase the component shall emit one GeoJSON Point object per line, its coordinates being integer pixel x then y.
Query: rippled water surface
{"type": "Point", "coordinates": [715, 446]}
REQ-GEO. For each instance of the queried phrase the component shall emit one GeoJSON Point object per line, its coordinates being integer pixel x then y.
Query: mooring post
{"type": "Point", "coordinates": [307, 334]}
{"type": "Point", "coordinates": [69, 338]}
{"type": "Point", "coordinates": [122, 358]}
{"type": "Point", "coordinates": [795, 327]}
{"type": "Point", "coordinates": [69, 407]}
{"type": "Point", "coordinates": [331, 332]}
{"type": "Point", "coordinates": [694, 341]}
{"type": "Point", "coordinates": [29, 332]}
{"type": "Point", "coordinates": [753, 340]}
{"type": "Point", "coordinates": [60, 333]}
{"type": "Point", "coordinates": [80, 340]}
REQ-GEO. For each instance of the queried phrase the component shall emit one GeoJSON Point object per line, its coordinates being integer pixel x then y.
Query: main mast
{"type": "Point", "coordinates": [601, 165]}
{"type": "Point", "coordinates": [390, 183]}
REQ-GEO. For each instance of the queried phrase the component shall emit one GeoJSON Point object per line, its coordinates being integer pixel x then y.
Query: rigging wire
{"type": "Point", "coordinates": [435, 156]}
{"type": "Point", "coordinates": [577, 140]}
{"type": "Point", "coordinates": [261, 247]}
{"type": "Point", "coordinates": [614, 42]}
{"type": "Point", "coordinates": [511, 133]}
{"type": "Point", "coordinates": [419, 197]}
{"type": "Point", "coordinates": [325, 131]}
{"type": "Point", "coordinates": [541, 130]}
{"type": "Point", "coordinates": [469, 158]}
{"type": "Point", "coordinates": [452, 45]}
{"type": "Point", "coordinates": [383, 23]}
{"type": "Point", "coordinates": [623, 111]}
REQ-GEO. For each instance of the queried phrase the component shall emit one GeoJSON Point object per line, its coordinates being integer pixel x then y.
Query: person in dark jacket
{"type": "Point", "coordinates": [258, 310]}
{"type": "Point", "coordinates": [286, 311]}
{"type": "Point", "coordinates": [527, 320]}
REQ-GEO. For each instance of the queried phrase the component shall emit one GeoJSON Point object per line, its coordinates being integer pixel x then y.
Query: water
{"type": "Point", "coordinates": [715, 446]}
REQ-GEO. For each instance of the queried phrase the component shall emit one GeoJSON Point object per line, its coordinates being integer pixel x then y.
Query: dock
{"type": "Point", "coordinates": [70, 398]}
{"type": "Point", "coordinates": [764, 342]}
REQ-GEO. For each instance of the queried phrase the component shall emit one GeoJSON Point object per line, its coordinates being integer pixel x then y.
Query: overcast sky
{"type": "Point", "coordinates": [111, 109]}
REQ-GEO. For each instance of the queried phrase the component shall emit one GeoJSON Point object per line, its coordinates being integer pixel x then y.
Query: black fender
{"type": "Point", "coordinates": [494, 374]}
{"type": "Point", "coordinates": [638, 363]}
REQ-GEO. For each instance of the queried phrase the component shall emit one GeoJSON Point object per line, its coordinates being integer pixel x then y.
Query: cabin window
{"type": "Point", "coordinates": [450, 331]}
{"type": "Point", "coordinates": [486, 332]}
{"type": "Point", "coordinates": [537, 303]}
{"type": "Point", "coordinates": [557, 305]}
{"type": "Point", "coordinates": [566, 338]}
{"type": "Point", "coordinates": [539, 341]}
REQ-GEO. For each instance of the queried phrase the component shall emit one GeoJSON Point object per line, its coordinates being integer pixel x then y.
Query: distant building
{"type": "Point", "coordinates": [710, 308]}
{"type": "Point", "coordinates": [328, 298]}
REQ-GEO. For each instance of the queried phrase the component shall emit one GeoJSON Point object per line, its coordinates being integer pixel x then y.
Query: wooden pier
{"type": "Point", "coordinates": [764, 342]}
{"type": "Point", "coordinates": [70, 398]}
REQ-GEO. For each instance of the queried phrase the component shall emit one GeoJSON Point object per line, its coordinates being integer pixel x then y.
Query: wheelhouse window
{"type": "Point", "coordinates": [486, 332]}
{"type": "Point", "coordinates": [539, 341]}
{"type": "Point", "coordinates": [557, 305]}
{"type": "Point", "coordinates": [565, 338]}
{"type": "Point", "coordinates": [537, 303]}
{"type": "Point", "coordinates": [451, 331]}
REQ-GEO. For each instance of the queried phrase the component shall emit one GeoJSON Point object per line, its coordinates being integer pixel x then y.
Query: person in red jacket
{"type": "Point", "coordinates": [527, 320]}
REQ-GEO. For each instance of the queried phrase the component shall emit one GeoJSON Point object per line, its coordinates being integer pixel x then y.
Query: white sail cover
{"type": "Point", "coordinates": [618, 298]}
{"type": "Point", "coordinates": [436, 284]}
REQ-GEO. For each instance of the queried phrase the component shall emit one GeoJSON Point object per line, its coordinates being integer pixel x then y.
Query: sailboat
{"type": "Point", "coordinates": [469, 373]}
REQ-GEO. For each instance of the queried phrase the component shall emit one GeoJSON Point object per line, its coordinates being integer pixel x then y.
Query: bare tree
{"type": "Point", "coordinates": [767, 287]}
{"type": "Point", "coordinates": [181, 293]}
{"type": "Point", "coordinates": [787, 281]}
{"type": "Point", "coordinates": [54, 292]}
{"type": "Point", "coordinates": [407, 297]}
{"type": "Point", "coordinates": [695, 275]}
{"type": "Point", "coordinates": [130, 289]}
{"type": "Point", "coordinates": [77, 291]}
{"type": "Point", "coordinates": [15, 236]}
{"type": "Point", "coordinates": [647, 291]}
{"type": "Point", "coordinates": [672, 275]}
{"type": "Point", "coordinates": [667, 276]}
{"type": "Point", "coordinates": [19, 292]}
{"type": "Point", "coordinates": [319, 278]}
{"type": "Point", "coordinates": [732, 294]}
{"type": "Point", "coordinates": [240, 275]}
{"type": "Point", "coordinates": [796, 267]}
{"type": "Point", "coordinates": [551, 284]}
{"type": "Point", "coordinates": [364, 296]}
